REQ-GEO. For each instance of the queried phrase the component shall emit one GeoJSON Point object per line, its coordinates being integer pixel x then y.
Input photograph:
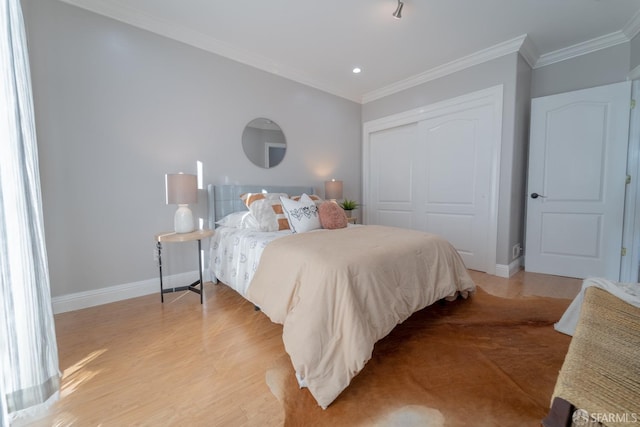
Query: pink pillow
{"type": "Point", "coordinates": [332, 216]}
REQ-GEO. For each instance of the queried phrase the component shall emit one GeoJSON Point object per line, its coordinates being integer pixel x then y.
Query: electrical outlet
{"type": "Point", "coordinates": [515, 251]}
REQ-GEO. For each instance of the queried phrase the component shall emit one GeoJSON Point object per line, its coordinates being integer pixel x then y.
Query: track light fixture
{"type": "Point", "coordinates": [398, 13]}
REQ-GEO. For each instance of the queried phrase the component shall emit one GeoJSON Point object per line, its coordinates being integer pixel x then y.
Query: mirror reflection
{"type": "Point", "coordinates": [264, 143]}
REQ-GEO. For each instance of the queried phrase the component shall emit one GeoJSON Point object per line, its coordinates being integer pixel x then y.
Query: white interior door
{"type": "Point", "coordinates": [576, 183]}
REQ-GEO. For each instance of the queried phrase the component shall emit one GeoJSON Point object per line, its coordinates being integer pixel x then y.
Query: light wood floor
{"type": "Point", "coordinates": [140, 362]}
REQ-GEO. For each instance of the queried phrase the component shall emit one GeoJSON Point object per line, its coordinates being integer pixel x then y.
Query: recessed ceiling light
{"type": "Point", "coordinates": [356, 70]}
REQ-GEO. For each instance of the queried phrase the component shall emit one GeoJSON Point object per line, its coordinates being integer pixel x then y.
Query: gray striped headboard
{"type": "Point", "coordinates": [225, 199]}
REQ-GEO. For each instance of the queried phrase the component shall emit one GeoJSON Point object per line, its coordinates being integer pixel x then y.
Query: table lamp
{"type": "Point", "coordinates": [182, 189]}
{"type": "Point", "coordinates": [333, 190]}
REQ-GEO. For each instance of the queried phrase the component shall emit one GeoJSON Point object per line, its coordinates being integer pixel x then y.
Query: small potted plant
{"type": "Point", "coordinates": [349, 205]}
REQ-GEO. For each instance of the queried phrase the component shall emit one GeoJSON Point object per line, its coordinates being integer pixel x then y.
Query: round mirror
{"type": "Point", "coordinates": [264, 143]}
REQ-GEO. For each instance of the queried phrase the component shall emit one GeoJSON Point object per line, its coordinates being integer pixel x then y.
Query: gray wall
{"type": "Point", "coordinates": [118, 107]}
{"type": "Point", "coordinates": [605, 66]}
{"type": "Point", "coordinates": [520, 154]}
{"type": "Point", "coordinates": [505, 70]}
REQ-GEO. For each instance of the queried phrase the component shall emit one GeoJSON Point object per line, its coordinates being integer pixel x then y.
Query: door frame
{"type": "Point", "coordinates": [491, 96]}
{"type": "Point", "coordinates": [631, 227]}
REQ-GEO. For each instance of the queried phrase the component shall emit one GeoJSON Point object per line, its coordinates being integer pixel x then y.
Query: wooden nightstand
{"type": "Point", "coordinates": [352, 220]}
{"type": "Point", "coordinates": [173, 237]}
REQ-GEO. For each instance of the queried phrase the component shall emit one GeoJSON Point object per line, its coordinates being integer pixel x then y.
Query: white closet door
{"type": "Point", "coordinates": [392, 165]}
{"type": "Point", "coordinates": [454, 152]}
{"type": "Point", "coordinates": [436, 169]}
{"type": "Point", "coordinates": [435, 176]}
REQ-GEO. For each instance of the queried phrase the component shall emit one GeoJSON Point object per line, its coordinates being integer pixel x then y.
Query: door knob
{"type": "Point", "coordinates": [536, 195]}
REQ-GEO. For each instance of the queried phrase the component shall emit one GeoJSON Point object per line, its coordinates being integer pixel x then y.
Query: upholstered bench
{"type": "Point", "coordinates": [600, 378]}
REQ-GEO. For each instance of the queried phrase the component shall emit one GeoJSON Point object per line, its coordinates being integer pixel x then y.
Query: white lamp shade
{"type": "Point", "coordinates": [182, 188]}
{"type": "Point", "coordinates": [333, 190]}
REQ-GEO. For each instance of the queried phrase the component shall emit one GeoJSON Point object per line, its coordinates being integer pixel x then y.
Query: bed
{"type": "Point", "coordinates": [336, 292]}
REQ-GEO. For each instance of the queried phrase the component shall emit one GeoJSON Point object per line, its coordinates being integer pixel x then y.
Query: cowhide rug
{"type": "Point", "coordinates": [484, 361]}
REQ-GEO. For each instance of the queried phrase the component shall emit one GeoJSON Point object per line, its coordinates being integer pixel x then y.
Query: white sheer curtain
{"type": "Point", "coordinates": [28, 352]}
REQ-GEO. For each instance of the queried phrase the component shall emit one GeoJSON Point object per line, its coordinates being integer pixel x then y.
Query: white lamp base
{"type": "Point", "coordinates": [183, 220]}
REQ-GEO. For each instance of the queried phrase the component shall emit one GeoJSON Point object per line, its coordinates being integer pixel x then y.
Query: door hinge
{"type": "Point", "coordinates": [623, 252]}
{"type": "Point", "coordinates": [628, 180]}
{"type": "Point", "coordinates": [633, 104]}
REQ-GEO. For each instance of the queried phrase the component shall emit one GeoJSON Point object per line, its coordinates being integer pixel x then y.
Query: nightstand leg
{"type": "Point", "coordinates": [159, 247]}
{"type": "Point", "coordinates": [200, 269]}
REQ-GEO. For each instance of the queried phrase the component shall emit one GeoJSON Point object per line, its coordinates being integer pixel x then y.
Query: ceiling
{"type": "Point", "coordinates": [319, 42]}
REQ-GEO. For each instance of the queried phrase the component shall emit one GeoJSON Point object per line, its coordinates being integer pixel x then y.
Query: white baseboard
{"type": "Point", "coordinates": [109, 294]}
{"type": "Point", "coordinates": [509, 270]}
{"type": "Point", "coordinates": [101, 296]}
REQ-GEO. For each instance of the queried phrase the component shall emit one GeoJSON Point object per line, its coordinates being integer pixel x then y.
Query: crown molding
{"type": "Point", "coordinates": [496, 51]}
{"type": "Point", "coordinates": [633, 26]}
{"type": "Point", "coordinates": [583, 48]}
{"type": "Point", "coordinates": [529, 51]}
{"type": "Point", "coordinates": [134, 17]}
{"type": "Point", "coordinates": [634, 74]}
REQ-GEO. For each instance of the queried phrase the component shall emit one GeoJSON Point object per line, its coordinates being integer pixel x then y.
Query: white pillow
{"type": "Point", "coordinates": [267, 210]}
{"type": "Point", "coordinates": [313, 197]}
{"type": "Point", "coordinates": [302, 215]}
{"type": "Point", "coordinates": [242, 219]}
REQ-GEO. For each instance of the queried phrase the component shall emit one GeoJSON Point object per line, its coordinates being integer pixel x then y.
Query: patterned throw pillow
{"type": "Point", "coordinates": [267, 210]}
{"type": "Point", "coordinates": [302, 215]}
{"type": "Point", "coordinates": [332, 216]}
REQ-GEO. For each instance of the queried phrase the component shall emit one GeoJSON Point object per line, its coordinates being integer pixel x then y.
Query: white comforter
{"type": "Point", "coordinates": [337, 292]}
